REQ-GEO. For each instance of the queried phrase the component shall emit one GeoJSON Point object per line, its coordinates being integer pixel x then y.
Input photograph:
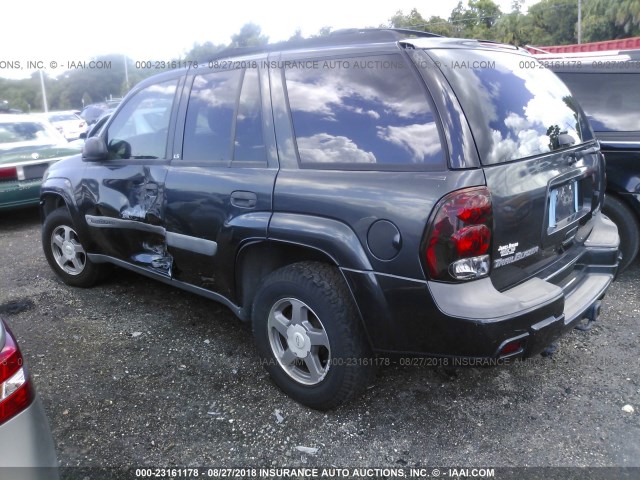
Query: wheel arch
{"type": "Point", "coordinates": [56, 193]}
{"type": "Point", "coordinates": [257, 260]}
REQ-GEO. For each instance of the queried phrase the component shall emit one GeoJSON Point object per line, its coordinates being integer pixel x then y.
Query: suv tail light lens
{"type": "Point", "coordinates": [458, 242]}
{"type": "Point", "coordinates": [16, 391]}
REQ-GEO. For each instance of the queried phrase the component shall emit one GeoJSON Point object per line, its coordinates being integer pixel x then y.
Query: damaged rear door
{"type": "Point", "coordinates": [124, 196]}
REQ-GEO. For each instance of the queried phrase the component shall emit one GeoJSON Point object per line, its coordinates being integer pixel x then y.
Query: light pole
{"type": "Point", "coordinates": [579, 21]}
{"type": "Point", "coordinates": [44, 93]}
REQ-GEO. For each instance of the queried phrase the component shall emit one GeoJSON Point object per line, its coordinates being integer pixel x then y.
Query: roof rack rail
{"type": "Point", "coordinates": [343, 36]}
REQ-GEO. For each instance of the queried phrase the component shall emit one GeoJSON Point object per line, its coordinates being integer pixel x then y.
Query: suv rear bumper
{"type": "Point", "coordinates": [474, 319]}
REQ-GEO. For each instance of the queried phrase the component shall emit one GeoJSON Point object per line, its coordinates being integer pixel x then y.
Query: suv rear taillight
{"type": "Point", "coordinates": [458, 242]}
{"type": "Point", "coordinates": [16, 391]}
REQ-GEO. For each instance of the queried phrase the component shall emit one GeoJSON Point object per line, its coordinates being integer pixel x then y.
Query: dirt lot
{"type": "Point", "coordinates": [134, 373]}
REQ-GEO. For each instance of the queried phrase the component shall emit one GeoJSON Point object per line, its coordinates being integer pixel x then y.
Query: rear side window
{"type": "Point", "coordinates": [515, 109]}
{"type": "Point", "coordinates": [610, 100]}
{"type": "Point", "coordinates": [363, 113]}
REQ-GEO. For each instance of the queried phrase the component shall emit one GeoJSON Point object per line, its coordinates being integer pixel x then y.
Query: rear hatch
{"type": "Point", "coordinates": [542, 165]}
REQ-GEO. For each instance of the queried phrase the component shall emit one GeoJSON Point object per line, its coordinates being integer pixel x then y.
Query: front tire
{"type": "Point", "coordinates": [309, 335]}
{"type": "Point", "coordinates": [65, 253]}
{"type": "Point", "coordinates": [628, 229]}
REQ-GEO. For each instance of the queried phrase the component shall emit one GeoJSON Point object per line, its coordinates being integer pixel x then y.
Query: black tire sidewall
{"type": "Point", "coordinates": [628, 227]}
{"type": "Point", "coordinates": [324, 394]}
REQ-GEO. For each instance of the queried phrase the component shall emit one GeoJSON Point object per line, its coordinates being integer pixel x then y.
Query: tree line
{"type": "Point", "coordinates": [548, 22]}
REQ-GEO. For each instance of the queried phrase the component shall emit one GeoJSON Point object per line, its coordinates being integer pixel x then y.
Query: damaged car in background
{"type": "Point", "coordinates": [375, 203]}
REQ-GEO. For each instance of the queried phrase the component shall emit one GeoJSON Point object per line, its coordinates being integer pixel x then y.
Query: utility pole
{"type": "Point", "coordinates": [44, 93]}
{"type": "Point", "coordinates": [126, 74]}
{"type": "Point", "coordinates": [579, 21]}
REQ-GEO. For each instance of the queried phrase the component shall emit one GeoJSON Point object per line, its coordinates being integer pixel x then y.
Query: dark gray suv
{"type": "Point", "coordinates": [356, 196]}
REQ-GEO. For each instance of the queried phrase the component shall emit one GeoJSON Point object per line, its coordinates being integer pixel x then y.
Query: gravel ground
{"type": "Point", "coordinates": [133, 373]}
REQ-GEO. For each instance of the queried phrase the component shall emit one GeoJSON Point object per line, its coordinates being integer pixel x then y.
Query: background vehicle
{"type": "Point", "coordinates": [92, 131]}
{"type": "Point", "coordinates": [92, 113]}
{"type": "Point", "coordinates": [28, 146]}
{"type": "Point", "coordinates": [25, 438]}
{"type": "Point", "coordinates": [68, 124]}
{"type": "Point", "coordinates": [352, 195]}
{"type": "Point", "coordinates": [607, 85]}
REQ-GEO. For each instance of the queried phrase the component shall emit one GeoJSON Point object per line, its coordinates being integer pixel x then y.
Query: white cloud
{"type": "Point", "coordinates": [325, 148]}
{"type": "Point", "coordinates": [420, 140]}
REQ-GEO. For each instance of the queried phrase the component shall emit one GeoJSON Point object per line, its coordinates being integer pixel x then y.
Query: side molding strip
{"type": "Point", "coordinates": [177, 240]}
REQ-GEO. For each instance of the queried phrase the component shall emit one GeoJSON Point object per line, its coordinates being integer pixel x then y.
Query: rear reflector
{"type": "Point", "coordinates": [511, 347]}
{"type": "Point", "coordinates": [16, 391]}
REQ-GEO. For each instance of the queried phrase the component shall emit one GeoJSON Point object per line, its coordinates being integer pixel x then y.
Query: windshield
{"type": "Point", "coordinates": [13, 134]}
{"type": "Point", "coordinates": [516, 108]}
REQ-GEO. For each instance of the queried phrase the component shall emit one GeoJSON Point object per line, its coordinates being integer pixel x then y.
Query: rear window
{"type": "Point", "coordinates": [363, 113]}
{"type": "Point", "coordinates": [27, 132]}
{"type": "Point", "coordinates": [610, 100]}
{"type": "Point", "coordinates": [516, 109]}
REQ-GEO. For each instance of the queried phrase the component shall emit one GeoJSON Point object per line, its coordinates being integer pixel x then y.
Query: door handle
{"type": "Point", "coordinates": [243, 199]}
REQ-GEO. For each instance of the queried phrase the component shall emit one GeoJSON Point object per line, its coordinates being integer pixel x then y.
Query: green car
{"type": "Point", "coordinates": [28, 145]}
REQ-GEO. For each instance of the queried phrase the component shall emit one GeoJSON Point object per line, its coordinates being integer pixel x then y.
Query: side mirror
{"type": "Point", "coordinates": [94, 150]}
{"type": "Point", "coordinates": [83, 136]}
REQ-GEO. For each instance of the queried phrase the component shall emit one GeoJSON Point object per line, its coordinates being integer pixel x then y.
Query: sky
{"type": "Point", "coordinates": [73, 30]}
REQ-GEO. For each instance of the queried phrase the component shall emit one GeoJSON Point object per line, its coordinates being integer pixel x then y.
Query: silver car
{"type": "Point", "coordinates": [26, 446]}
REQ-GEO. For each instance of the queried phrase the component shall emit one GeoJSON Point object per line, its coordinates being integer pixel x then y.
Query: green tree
{"type": "Point", "coordinates": [324, 31]}
{"type": "Point", "coordinates": [250, 35]}
{"type": "Point", "coordinates": [203, 51]}
{"type": "Point", "coordinates": [607, 20]}
{"type": "Point", "coordinates": [296, 36]}
{"type": "Point", "coordinates": [476, 21]}
{"type": "Point", "coordinates": [553, 22]}
{"type": "Point", "coordinates": [414, 21]}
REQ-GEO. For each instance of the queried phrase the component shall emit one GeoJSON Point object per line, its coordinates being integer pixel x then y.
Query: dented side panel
{"type": "Point", "coordinates": [124, 212]}
{"type": "Point", "coordinates": [210, 212]}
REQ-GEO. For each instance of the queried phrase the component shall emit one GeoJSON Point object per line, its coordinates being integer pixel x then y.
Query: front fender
{"type": "Point", "coordinates": [60, 187]}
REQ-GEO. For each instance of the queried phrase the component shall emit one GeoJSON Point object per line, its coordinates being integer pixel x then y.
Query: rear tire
{"type": "Point", "coordinates": [309, 335]}
{"type": "Point", "coordinates": [628, 229]}
{"type": "Point", "coordinates": [65, 253]}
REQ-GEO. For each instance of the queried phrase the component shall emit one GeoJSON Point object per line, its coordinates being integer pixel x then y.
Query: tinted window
{"type": "Point", "coordinates": [140, 129]}
{"type": "Point", "coordinates": [515, 110]}
{"type": "Point", "coordinates": [610, 100]}
{"type": "Point", "coordinates": [209, 122]}
{"type": "Point", "coordinates": [249, 142]}
{"type": "Point", "coordinates": [362, 112]}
